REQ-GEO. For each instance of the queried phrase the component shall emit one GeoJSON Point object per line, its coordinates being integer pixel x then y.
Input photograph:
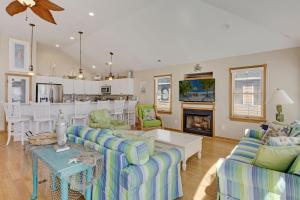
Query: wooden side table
{"type": "Point", "coordinates": [59, 166]}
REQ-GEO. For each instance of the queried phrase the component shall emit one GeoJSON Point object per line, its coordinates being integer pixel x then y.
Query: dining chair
{"type": "Point", "coordinates": [82, 109]}
{"type": "Point", "coordinates": [118, 109]}
{"type": "Point", "coordinates": [42, 116]}
{"type": "Point", "coordinates": [15, 121]}
{"type": "Point", "coordinates": [130, 111]}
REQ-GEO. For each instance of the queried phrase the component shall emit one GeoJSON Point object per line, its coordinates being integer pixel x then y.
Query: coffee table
{"type": "Point", "coordinates": [187, 143]}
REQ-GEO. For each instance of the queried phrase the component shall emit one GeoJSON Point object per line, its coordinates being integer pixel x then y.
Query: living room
{"type": "Point", "coordinates": [149, 100]}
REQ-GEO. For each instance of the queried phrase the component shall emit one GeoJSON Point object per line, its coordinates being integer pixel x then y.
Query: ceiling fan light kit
{"type": "Point", "coordinates": [41, 8]}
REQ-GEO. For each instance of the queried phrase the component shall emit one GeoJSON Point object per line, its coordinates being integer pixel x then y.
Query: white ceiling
{"type": "Point", "coordinates": [140, 32]}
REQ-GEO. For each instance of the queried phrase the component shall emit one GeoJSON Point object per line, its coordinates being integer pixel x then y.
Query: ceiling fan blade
{"type": "Point", "coordinates": [43, 13]}
{"type": "Point", "coordinates": [49, 5]}
{"type": "Point", "coordinates": [15, 7]}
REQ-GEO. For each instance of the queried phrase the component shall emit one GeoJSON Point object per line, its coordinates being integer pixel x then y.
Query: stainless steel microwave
{"type": "Point", "coordinates": [106, 89]}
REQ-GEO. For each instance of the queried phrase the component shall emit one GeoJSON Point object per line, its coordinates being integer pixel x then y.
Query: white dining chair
{"type": "Point", "coordinates": [15, 121]}
{"type": "Point", "coordinates": [118, 109]}
{"type": "Point", "coordinates": [82, 110]}
{"type": "Point", "coordinates": [130, 112]}
{"type": "Point", "coordinates": [104, 105]}
{"type": "Point", "coordinates": [42, 117]}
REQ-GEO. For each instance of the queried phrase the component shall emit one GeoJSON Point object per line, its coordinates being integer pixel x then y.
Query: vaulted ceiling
{"type": "Point", "coordinates": [140, 32]}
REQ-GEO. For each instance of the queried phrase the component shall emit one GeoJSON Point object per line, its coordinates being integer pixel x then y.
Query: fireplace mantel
{"type": "Point", "coordinates": [198, 106]}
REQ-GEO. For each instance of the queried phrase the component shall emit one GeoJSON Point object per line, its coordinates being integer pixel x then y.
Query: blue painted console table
{"type": "Point", "coordinates": [59, 166]}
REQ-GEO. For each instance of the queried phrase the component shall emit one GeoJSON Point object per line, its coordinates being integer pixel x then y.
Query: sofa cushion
{"type": "Point", "coordinates": [295, 129]}
{"type": "Point", "coordinates": [276, 158]}
{"type": "Point", "coordinates": [246, 150]}
{"type": "Point", "coordinates": [100, 116]}
{"type": "Point", "coordinates": [152, 123]}
{"type": "Point", "coordinates": [137, 136]}
{"type": "Point", "coordinates": [295, 168]}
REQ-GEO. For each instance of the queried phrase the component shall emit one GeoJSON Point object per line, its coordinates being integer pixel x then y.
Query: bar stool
{"type": "Point", "coordinates": [118, 109]}
{"type": "Point", "coordinates": [42, 116]}
{"type": "Point", "coordinates": [82, 109]}
{"type": "Point", "coordinates": [103, 105]}
{"type": "Point", "coordinates": [14, 121]}
{"type": "Point", "coordinates": [131, 112]}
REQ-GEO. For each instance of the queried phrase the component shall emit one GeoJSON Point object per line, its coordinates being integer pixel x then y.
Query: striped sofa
{"type": "Point", "coordinates": [130, 173]}
{"type": "Point", "coordinates": [239, 179]}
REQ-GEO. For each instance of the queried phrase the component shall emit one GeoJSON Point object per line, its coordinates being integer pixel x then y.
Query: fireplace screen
{"type": "Point", "coordinates": [198, 122]}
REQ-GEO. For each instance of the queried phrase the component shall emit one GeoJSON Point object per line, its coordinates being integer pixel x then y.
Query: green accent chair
{"type": "Point", "coordinates": [147, 124]}
{"type": "Point", "coordinates": [102, 119]}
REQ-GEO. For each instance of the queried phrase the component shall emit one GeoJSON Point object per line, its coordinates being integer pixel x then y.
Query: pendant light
{"type": "Point", "coordinates": [80, 74]}
{"type": "Point", "coordinates": [111, 76]}
{"type": "Point", "coordinates": [30, 68]}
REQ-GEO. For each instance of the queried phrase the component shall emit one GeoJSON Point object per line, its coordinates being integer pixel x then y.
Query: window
{"type": "Point", "coordinates": [163, 93]}
{"type": "Point", "coordinates": [247, 93]}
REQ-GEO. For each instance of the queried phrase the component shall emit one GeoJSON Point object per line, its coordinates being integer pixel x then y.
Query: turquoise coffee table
{"type": "Point", "coordinates": [58, 164]}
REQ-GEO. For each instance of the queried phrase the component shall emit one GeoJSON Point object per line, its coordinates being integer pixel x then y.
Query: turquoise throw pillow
{"type": "Point", "coordinates": [276, 158]}
{"type": "Point", "coordinates": [295, 168]}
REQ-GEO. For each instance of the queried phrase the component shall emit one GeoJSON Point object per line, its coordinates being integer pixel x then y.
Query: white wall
{"type": "Point", "coordinates": [43, 57]}
{"type": "Point", "coordinates": [283, 71]}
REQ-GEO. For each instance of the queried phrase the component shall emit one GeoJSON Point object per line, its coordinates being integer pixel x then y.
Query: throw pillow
{"type": "Point", "coordinates": [295, 129]}
{"type": "Point", "coordinates": [275, 129]}
{"type": "Point", "coordinates": [295, 168]}
{"type": "Point", "coordinates": [149, 114]}
{"type": "Point", "coordinates": [283, 141]}
{"type": "Point", "coordinates": [276, 158]}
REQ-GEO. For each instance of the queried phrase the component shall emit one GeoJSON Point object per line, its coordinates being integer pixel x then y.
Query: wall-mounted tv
{"type": "Point", "coordinates": [199, 90]}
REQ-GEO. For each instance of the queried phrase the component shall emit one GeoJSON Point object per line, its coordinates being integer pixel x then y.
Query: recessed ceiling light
{"type": "Point", "coordinates": [72, 38]}
{"type": "Point", "coordinates": [93, 66]}
{"type": "Point", "coordinates": [159, 60]}
{"type": "Point", "coordinates": [91, 14]}
{"type": "Point", "coordinates": [57, 45]}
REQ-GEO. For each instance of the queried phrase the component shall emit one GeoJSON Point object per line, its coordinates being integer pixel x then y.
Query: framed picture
{"type": "Point", "coordinates": [163, 93]}
{"type": "Point", "coordinates": [18, 88]}
{"type": "Point", "coordinates": [18, 55]}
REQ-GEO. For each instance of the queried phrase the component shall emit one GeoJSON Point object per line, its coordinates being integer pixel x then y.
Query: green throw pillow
{"type": "Point", "coordinates": [295, 168]}
{"type": "Point", "coordinates": [276, 158]}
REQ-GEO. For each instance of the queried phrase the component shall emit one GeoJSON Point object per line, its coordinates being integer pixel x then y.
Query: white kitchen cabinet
{"type": "Point", "coordinates": [42, 79]}
{"type": "Point", "coordinates": [68, 85]}
{"type": "Point", "coordinates": [96, 88]}
{"type": "Point", "coordinates": [122, 86]}
{"type": "Point", "coordinates": [79, 87]}
{"type": "Point", "coordinates": [55, 80]}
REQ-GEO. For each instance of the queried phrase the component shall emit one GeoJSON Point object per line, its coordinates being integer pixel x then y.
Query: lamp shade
{"type": "Point", "coordinates": [280, 97]}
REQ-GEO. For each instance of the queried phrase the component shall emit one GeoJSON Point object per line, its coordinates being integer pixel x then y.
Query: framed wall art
{"type": "Point", "coordinates": [18, 55]}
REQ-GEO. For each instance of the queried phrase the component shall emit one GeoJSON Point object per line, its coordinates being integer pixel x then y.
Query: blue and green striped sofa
{"type": "Point", "coordinates": [130, 173]}
{"type": "Point", "coordinates": [239, 179]}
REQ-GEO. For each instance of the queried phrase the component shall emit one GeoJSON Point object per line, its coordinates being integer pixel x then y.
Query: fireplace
{"type": "Point", "coordinates": [198, 121]}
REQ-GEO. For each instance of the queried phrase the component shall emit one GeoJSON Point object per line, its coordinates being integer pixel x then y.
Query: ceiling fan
{"type": "Point", "coordinates": [39, 7]}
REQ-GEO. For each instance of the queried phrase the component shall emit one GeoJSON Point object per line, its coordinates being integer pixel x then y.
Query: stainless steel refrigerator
{"type": "Point", "coordinates": [46, 92]}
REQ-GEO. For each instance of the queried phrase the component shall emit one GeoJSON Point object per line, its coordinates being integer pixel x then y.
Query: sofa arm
{"type": "Point", "coordinates": [135, 175]}
{"type": "Point", "coordinates": [256, 177]}
{"type": "Point", "coordinates": [254, 133]}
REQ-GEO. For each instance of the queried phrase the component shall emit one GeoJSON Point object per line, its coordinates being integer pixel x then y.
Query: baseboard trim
{"type": "Point", "coordinates": [213, 138]}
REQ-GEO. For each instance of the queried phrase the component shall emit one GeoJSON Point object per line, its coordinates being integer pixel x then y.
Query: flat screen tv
{"type": "Point", "coordinates": [199, 90]}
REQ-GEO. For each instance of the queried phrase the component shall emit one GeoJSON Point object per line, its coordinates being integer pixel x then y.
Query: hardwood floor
{"type": "Point", "coordinates": [199, 181]}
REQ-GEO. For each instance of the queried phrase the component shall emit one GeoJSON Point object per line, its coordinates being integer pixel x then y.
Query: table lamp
{"type": "Point", "coordinates": [279, 98]}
